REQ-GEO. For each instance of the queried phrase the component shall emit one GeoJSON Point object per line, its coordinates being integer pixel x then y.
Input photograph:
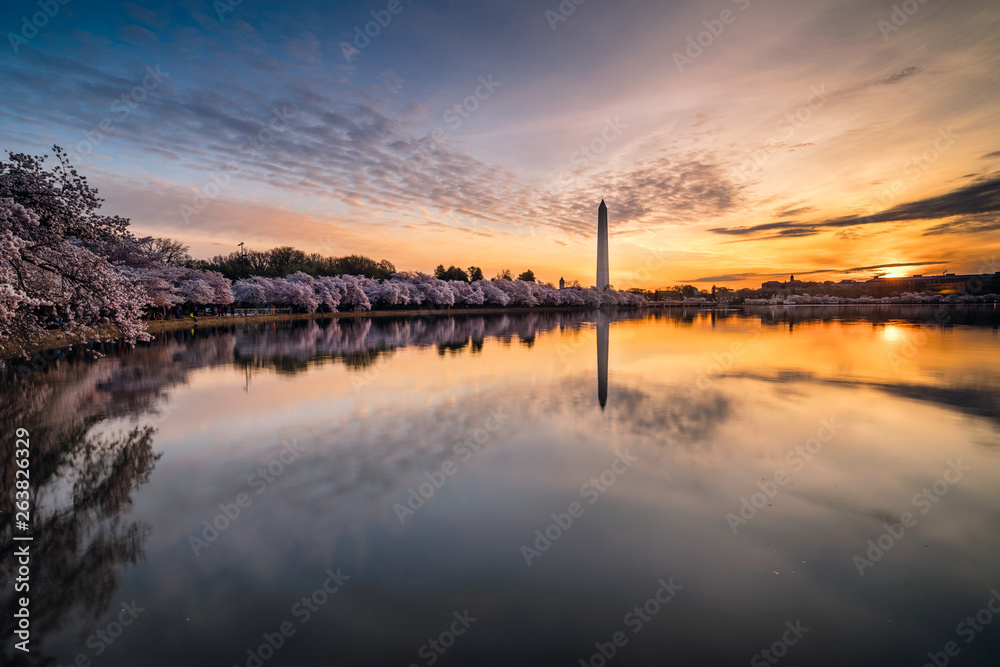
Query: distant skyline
{"type": "Point", "coordinates": [734, 142]}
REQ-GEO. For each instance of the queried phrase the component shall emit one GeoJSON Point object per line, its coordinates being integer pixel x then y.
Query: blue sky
{"type": "Point", "coordinates": [796, 137]}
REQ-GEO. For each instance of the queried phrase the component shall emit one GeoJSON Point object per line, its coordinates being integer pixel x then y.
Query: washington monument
{"type": "Point", "coordinates": [603, 275]}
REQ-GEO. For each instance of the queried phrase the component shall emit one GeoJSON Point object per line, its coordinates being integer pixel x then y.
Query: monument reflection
{"type": "Point", "coordinates": [603, 325]}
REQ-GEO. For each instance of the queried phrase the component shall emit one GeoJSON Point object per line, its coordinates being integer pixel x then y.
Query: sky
{"type": "Point", "coordinates": [734, 141]}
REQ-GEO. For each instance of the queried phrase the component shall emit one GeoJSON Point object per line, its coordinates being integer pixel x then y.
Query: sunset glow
{"type": "Point", "coordinates": [734, 143]}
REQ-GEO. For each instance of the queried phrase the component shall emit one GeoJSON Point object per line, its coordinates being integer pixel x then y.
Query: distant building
{"type": "Point", "coordinates": [562, 284]}
{"type": "Point", "coordinates": [941, 282]}
{"type": "Point", "coordinates": [919, 283]}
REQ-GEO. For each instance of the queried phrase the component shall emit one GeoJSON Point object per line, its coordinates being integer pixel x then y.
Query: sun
{"type": "Point", "coordinates": [900, 271]}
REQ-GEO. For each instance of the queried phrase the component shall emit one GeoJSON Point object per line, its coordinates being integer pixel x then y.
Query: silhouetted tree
{"type": "Point", "coordinates": [284, 260]}
{"type": "Point", "coordinates": [171, 251]}
{"type": "Point", "coordinates": [528, 276]}
{"type": "Point", "coordinates": [686, 291]}
{"type": "Point", "coordinates": [451, 273]}
{"type": "Point", "coordinates": [359, 265]}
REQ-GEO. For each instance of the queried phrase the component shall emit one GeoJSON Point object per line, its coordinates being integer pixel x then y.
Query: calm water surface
{"type": "Point", "coordinates": [520, 490]}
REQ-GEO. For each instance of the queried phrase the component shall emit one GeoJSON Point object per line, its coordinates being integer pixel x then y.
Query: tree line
{"type": "Point", "coordinates": [286, 260]}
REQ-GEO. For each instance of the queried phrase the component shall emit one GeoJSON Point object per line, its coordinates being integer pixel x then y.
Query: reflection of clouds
{"type": "Point", "coordinates": [352, 471]}
{"type": "Point", "coordinates": [655, 416]}
{"type": "Point", "coordinates": [334, 505]}
{"type": "Point", "coordinates": [373, 457]}
{"type": "Point", "coordinates": [979, 400]}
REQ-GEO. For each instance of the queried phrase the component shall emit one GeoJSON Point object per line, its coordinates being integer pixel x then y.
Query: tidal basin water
{"type": "Point", "coordinates": [675, 488]}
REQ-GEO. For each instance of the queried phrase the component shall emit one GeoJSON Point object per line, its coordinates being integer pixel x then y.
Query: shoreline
{"type": "Point", "coordinates": [155, 327]}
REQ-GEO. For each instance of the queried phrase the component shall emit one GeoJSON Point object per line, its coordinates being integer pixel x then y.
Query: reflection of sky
{"type": "Point", "coordinates": [704, 436]}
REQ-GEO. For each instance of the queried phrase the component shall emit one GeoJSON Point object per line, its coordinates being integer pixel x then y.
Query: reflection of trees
{"type": "Point", "coordinates": [82, 480]}
{"type": "Point", "coordinates": [972, 314]}
{"type": "Point", "coordinates": [360, 342]}
{"type": "Point", "coordinates": [978, 315]}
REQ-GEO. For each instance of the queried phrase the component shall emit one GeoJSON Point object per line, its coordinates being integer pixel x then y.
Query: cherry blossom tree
{"type": "Point", "coordinates": [492, 295]}
{"type": "Point", "coordinates": [221, 287]}
{"type": "Point", "coordinates": [352, 296]}
{"type": "Point", "coordinates": [58, 272]}
{"type": "Point", "coordinates": [158, 285]}
{"type": "Point", "coordinates": [299, 290]}
{"type": "Point", "coordinates": [255, 291]}
{"type": "Point", "coordinates": [517, 291]}
{"type": "Point", "coordinates": [328, 293]}
{"type": "Point", "coordinates": [194, 290]}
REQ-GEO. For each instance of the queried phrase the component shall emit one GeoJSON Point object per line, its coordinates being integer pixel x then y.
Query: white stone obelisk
{"type": "Point", "coordinates": [603, 275]}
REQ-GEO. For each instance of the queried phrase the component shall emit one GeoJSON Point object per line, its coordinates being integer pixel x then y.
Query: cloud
{"type": "Point", "coordinates": [860, 269]}
{"type": "Point", "coordinates": [663, 190]}
{"type": "Point", "coordinates": [890, 80]}
{"type": "Point", "coordinates": [964, 226]}
{"type": "Point", "coordinates": [795, 210]}
{"type": "Point", "coordinates": [855, 269]}
{"type": "Point", "coordinates": [729, 277]}
{"type": "Point", "coordinates": [359, 151]}
{"type": "Point", "coordinates": [755, 228]}
{"type": "Point", "coordinates": [982, 196]}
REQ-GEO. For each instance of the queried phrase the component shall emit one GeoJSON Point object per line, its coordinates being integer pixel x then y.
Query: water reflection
{"type": "Point", "coordinates": [379, 407]}
{"type": "Point", "coordinates": [602, 359]}
{"type": "Point", "coordinates": [82, 481]}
